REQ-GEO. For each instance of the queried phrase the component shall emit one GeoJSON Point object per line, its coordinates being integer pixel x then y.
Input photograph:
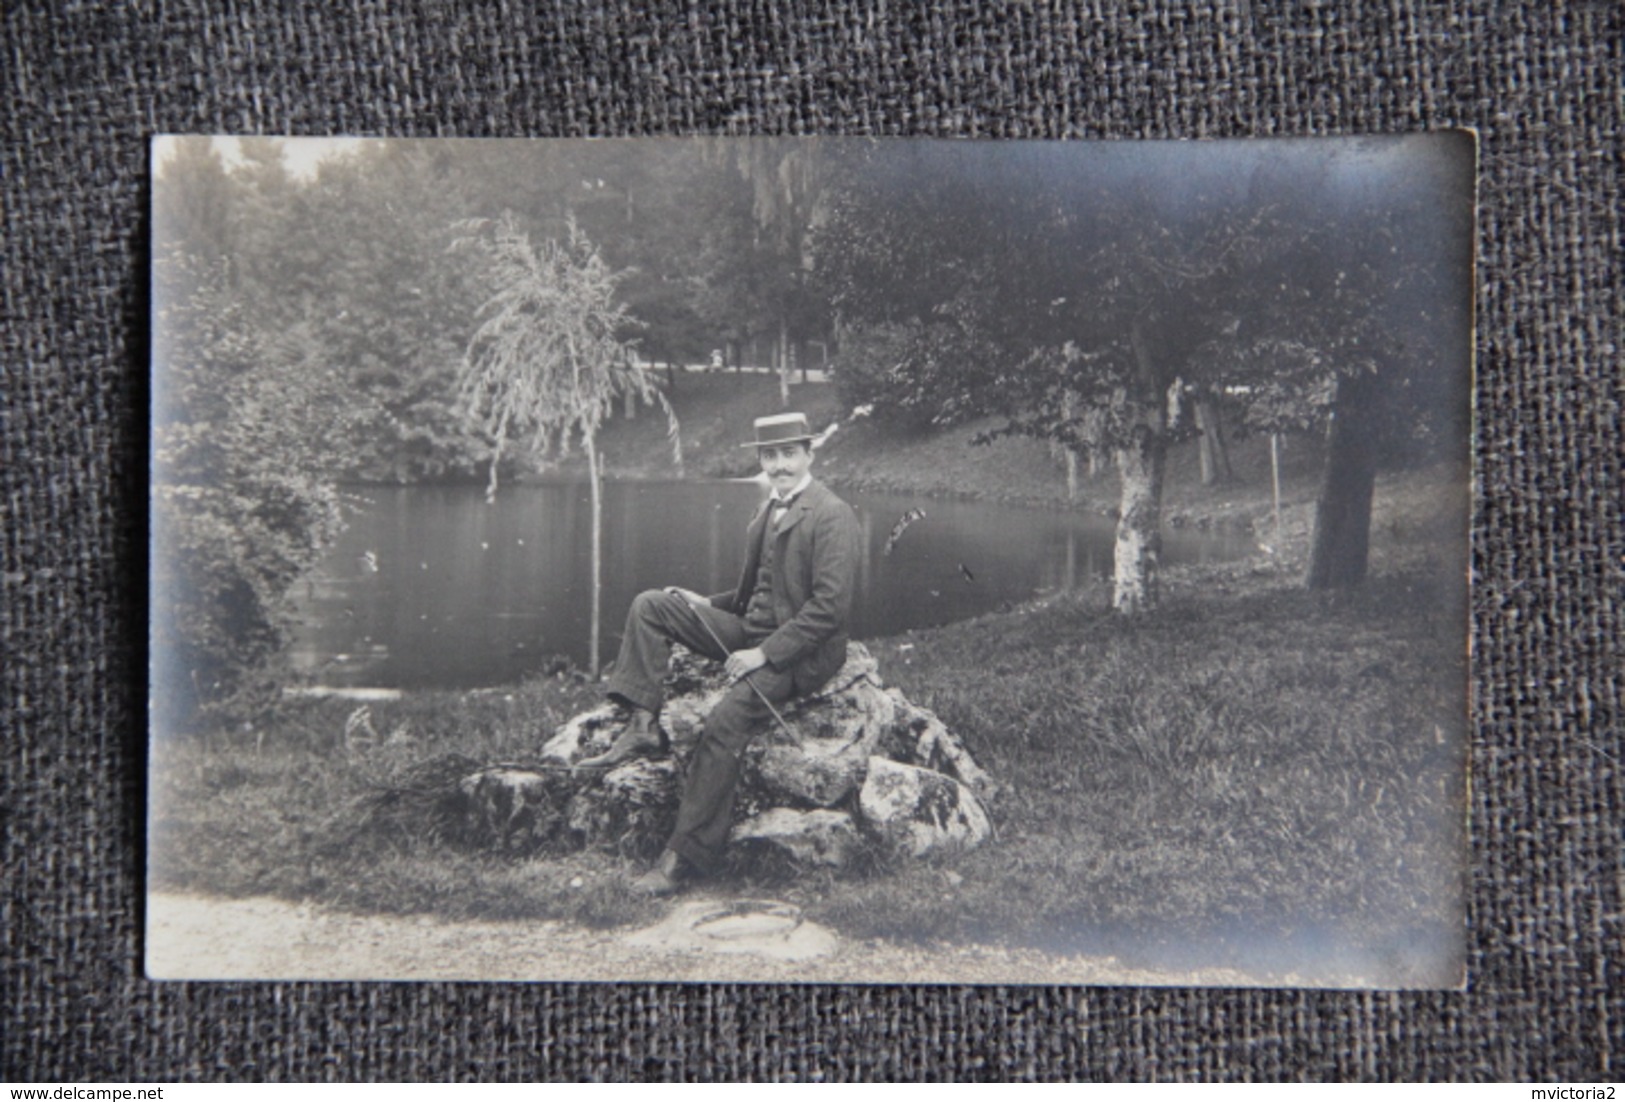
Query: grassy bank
{"type": "Point", "coordinates": [1254, 767]}
{"type": "Point", "coordinates": [715, 412]}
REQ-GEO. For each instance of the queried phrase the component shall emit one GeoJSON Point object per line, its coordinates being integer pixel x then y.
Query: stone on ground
{"type": "Point", "coordinates": [917, 812]}
{"type": "Point", "coordinates": [810, 839]}
{"type": "Point", "coordinates": [632, 808]}
{"type": "Point", "coordinates": [514, 808]}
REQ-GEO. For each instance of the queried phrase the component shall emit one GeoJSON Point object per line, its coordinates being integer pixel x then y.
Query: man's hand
{"type": "Point", "coordinates": [742, 662]}
{"type": "Point", "coordinates": [688, 595]}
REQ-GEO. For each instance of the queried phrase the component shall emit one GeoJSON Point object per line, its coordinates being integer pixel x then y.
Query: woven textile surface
{"type": "Point", "coordinates": [86, 86]}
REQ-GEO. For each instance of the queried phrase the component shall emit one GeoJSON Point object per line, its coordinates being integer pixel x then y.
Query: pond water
{"type": "Point", "coordinates": [430, 587]}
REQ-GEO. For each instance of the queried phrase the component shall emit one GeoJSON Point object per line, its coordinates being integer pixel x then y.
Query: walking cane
{"type": "Point", "coordinates": [724, 649]}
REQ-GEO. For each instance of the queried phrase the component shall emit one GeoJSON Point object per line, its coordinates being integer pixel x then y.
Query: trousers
{"type": "Point", "coordinates": [655, 621]}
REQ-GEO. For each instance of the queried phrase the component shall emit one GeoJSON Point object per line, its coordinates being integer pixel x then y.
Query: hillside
{"type": "Point", "coordinates": [715, 413]}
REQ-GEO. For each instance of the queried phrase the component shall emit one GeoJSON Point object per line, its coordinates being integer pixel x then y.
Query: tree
{"type": "Point", "coordinates": [253, 424]}
{"type": "Point", "coordinates": [1405, 293]}
{"type": "Point", "coordinates": [192, 207]}
{"type": "Point", "coordinates": [1109, 294]}
{"type": "Point", "coordinates": [355, 256]}
{"type": "Point", "coordinates": [1341, 540]}
{"type": "Point", "coordinates": [1070, 302]}
{"type": "Point", "coordinates": [1214, 448]}
{"type": "Point", "coordinates": [392, 307]}
{"type": "Point", "coordinates": [788, 180]}
{"type": "Point", "coordinates": [242, 493]}
{"type": "Point", "coordinates": [1366, 334]}
{"type": "Point", "coordinates": [546, 361]}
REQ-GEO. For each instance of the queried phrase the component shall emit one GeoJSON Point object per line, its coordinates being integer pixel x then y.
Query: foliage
{"type": "Point", "coordinates": [788, 181]}
{"type": "Point", "coordinates": [910, 372]}
{"type": "Point", "coordinates": [244, 432]}
{"type": "Point", "coordinates": [356, 258]}
{"type": "Point", "coordinates": [737, 287]}
{"type": "Point", "coordinates": [393, 305]}
{"type": "Point", "coordinates": [711, 243]}
{"type": "Point", "coordinates": [1110, 277]}
{"type": "Point", "coordinates": [1093, 298]}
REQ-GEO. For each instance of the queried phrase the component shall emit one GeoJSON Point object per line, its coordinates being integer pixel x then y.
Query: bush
{"type": "Point", "coordinates": [911, 374]}
{"type": "Point", "coordinates": [246, 428]}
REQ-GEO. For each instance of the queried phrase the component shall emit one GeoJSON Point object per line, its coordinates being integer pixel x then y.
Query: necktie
{"type": "Point", "coordinates": [780, 508]}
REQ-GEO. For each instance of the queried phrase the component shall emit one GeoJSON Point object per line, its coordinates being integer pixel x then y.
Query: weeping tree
{"type": "Point", "coordinates": [549, 359]}
{"type": "Point", "coordinates": [788, 180]}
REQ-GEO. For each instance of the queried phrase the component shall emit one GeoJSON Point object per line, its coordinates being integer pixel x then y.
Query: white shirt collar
{"type": "Point", "coordinates": [806, 480]}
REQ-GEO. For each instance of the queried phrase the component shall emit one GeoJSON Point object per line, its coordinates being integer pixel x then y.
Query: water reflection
{"type": "Point", "coordinates": [430, 587]}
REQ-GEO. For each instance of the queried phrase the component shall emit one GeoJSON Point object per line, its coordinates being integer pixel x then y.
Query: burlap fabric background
{"type": "Point", "coordinates": [85, 87]}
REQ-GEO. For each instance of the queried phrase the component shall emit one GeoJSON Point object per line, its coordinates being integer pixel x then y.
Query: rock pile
{"type": "Point", "coordinates": [857, 769]}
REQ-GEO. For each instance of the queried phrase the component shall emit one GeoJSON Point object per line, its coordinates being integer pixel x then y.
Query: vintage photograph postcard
{"type": "Point", "coordinates": [827, 560]}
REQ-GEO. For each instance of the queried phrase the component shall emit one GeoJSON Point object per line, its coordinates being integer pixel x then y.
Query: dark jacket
{"type": "Point", "coordinates": [815, 573]}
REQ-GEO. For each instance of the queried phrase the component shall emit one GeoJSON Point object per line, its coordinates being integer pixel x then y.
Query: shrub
{"type": "Point", "coordinates": [246, 427]}
{"type": "Point", "coordinates": [910, 373]}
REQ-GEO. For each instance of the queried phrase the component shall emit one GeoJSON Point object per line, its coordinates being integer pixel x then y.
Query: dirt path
{"type": "Point", "coordinates": [197, 937]}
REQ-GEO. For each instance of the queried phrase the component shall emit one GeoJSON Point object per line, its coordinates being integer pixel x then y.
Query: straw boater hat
{"type": "Point", "coordinates": [781, 428]}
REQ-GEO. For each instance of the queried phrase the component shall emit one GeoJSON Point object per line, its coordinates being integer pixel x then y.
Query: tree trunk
{"type": "Point", "coordinates": [1095, 428]}
{"type": "Point", "coordinates": [597, 555]}
{"type": "Point", "coordinates": [496, 458]}
{"type": "Point", "coordinates": [1275, 484]}
{"type": "Point", "coordinates": [785, 363]}
{"type": "Point", "coordinates": [1341, 543]}
{"type": "Point", "coordinates": [1139, 527]}
{"type": "Point", "coordinates": [1071, 452]}
{"type": "Point", "coordinates": [1140, 463]}
{"type": "Point", "coordinates": [1214, 453]}
{"type": "Point", "coordinates": [1204, 446]}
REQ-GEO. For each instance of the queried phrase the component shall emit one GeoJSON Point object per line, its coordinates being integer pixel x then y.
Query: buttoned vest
{"type": "Point", "coordinates": [759, 612]}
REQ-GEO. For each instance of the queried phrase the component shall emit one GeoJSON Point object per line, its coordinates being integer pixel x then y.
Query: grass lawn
{"type": "Point", "coordinates": [1254, 775]}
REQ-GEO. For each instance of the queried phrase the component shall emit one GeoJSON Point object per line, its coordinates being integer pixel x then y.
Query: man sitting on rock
{"type": "Point", "coordinates": [781, 633]}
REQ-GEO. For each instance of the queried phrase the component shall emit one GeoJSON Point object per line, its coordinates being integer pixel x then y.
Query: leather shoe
{"type": "Point", "coordinates": [664, 879]}
{"type": "Point", "coordinates": [641, 738]}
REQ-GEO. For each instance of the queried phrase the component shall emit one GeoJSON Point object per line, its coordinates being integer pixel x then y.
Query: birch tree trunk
{"type": "Point", "coordinates": [1139, 527]}
{"type": "Point", "coordinates": [491, 482]}
{"type": "Point", "coordinates": [1140, 463]}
